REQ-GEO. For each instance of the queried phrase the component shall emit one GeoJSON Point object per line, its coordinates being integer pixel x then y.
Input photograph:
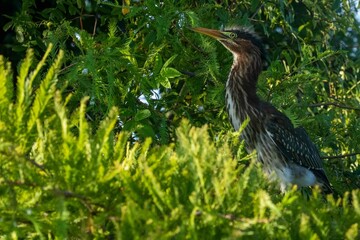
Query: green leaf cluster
{"type": "Point", "coordinates": [93, 141]}
{"type": "Point", "coordinates": [61, 179]}
{"type": "Point", "coordinates": [58, 180]}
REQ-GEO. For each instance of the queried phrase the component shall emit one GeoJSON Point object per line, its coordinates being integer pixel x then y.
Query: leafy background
{"type": "Point", "coordinates": [112, 119]}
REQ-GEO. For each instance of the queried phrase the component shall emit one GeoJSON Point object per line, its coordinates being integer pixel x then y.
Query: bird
{"type": "Point", "coordinates": [282, 148]}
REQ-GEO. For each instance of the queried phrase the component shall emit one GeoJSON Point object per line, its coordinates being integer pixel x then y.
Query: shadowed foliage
{"type": "Point", "coordinates": [113, 122]}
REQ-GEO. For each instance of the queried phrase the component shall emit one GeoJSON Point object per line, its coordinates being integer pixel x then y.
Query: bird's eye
{"type": "Point", "coordinates": [232, 35]}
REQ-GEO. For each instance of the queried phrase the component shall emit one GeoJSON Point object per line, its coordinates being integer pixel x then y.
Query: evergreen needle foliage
{"type": "Point", "coordinates": [60, 180]}
{"type": "Point", "coordinates": [113, 125]}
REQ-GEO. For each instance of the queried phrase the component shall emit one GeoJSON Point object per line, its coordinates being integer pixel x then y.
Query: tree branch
{"type": "Point", "coordinates": [341, 156]}
{"type": "Point", "coordinates": [256, 12]}
{"type": "Point", "coordinates": [66, 67]}
{"type": "Point", "coordinates": [335, 105]}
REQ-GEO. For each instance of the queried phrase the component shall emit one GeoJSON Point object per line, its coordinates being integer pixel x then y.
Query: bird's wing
{"type": "Point", "coordinates": [293, 143]}
{"type": "Point", "coordinates": [296, 146]}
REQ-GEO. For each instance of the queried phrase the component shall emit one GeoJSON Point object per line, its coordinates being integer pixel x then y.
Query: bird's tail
{"type": "Point", "coordinates": [324, 182]}
{"type": "Point", "coordinates": [326, 188]}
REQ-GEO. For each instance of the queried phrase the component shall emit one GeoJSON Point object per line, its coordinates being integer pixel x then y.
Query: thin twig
{"type": "Point", "coordinates": [190, 74]}
{"type": "Point", "coordinates": [82, 15]}
{"type": "Point", "coordinates": [257, 10]}
{"type": "Point", "coordinates": [33, 162]}
{"type": "Point", "coordinates": [95, 25]}
{"type": "Point", "coordinates": [341, 156]}
{"type": "Point", "coordinates": [334, 104]}
{"type": "Point", "coordinates": [232, 217]}
{"type": "Point", "coordinates": [68, 194]}
{"type": "Point", "coordinates": [80, 19]}
{"type": "Point", "coordinates": [20, 183]}
{"type": "Point", "coordinates": [69, 66]}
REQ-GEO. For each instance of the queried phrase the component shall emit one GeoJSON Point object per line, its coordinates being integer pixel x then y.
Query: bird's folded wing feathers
{"type": "Point", "coordinates": [294, 143]}
{"type": "Point", "coordinates": [296, 147]}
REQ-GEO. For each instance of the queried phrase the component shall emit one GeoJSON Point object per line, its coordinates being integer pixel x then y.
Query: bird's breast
{"type": "Point", "coordinates": [234, 117]}
{"type": "Point", "coordinates": [239, 109]}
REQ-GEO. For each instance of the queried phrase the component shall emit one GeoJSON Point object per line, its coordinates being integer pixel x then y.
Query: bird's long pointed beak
{"type": "Point", "coordinates": [218, 35]}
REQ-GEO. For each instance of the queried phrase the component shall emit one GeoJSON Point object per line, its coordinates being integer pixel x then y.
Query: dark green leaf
{"type": "Point", "coordinates": [170, 73]}
{"type": "Point", "coordinates": [158, 64]}
{"type": "Point", "coordinates": [164, 81]}
{"type": "Point", "coordinates": [142, 114]}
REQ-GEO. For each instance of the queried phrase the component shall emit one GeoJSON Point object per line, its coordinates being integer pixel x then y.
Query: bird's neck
{"type": "Point", "coordinates": [241, 97]}
{"type": "Point", "coordinates": [243, 79]}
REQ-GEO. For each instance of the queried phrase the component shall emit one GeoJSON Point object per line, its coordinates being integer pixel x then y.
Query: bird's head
{"type": "Point", "coordinates": [239, 41]}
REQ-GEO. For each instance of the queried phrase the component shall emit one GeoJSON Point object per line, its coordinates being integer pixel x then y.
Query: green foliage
{"type": "Point", "coordinates": [93, 141]}
{"type": "Point", "coordinates": [61, 180]}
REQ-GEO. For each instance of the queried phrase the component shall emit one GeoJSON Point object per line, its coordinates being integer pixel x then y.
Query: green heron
{"type": "Point", "coordinates": [280, 147]}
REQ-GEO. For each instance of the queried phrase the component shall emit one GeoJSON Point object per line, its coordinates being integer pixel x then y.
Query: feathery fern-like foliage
{"type": "Point", "coordinates": [59, 180]}
{"type": "Point", "coordinates": [93, 141]}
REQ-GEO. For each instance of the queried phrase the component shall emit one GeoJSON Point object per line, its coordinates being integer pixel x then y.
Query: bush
{"type": "Point", "coordinates": [59, 180]}
{"type": "Point", "coordinates": [83, 155]}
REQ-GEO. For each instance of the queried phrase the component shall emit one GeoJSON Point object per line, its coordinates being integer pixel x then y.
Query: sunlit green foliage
{"type": "Point", "coordinates": [82, 155]}
{"type": "Point", "coordinates": [60, 179]}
